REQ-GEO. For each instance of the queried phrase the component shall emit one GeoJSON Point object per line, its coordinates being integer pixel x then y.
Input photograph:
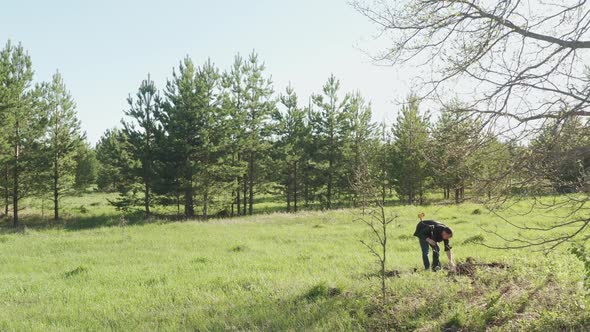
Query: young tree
{"type": "Point", "coordinates": [141, 139]}
{"type": "Point", "coordinates": [378, 222]}
{"type": "Point", "coordinates": [168, 183]}
{"type": "Point", "coordinates": [563, 149]}
{"type": "Point", "coordinates": [328, 125]}
{"type": "Point", "coordinates": [213, 130]}
{"type": "Point", "coordinates": [495, 159]}
{"type": "Point", "coordinates": [382, 159]}
{"type": "Point", "coordinates": [362, 144]}
{"type": "Point", "coordinates": [62, 139]}
{"type": "Point", "coordinates": [23, 120]}
{"type": "Point", "coordinates": [109, 153]}
{"type": "Point", "coordinates": [86, 167]}
{"type": "Point", "coordinates": [292, 132]}
{"type": "Point", "coordinates": [234, 83]}
{"type": "Point", "coordinates": [4, 146]}
{"type": "Point", "coordinates": [259, 107]}
{"type": "Point", "coordinates": [410, 141]}
{"type": "Point", "coordinates": [180, 120]}
{"type": "Point", "coordinates": [454, 144]}
{"type": "Point", "coordinates": [311, 170]}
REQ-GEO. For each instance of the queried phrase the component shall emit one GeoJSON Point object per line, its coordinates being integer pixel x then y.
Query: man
{"type": "Point", "coordinates": [430, 232]}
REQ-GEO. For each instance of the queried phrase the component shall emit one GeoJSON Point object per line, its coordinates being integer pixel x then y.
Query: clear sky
{"type": "Point", "coordinates": [105, 48]}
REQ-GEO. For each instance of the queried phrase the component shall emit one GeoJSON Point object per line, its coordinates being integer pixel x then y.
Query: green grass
{"type": "Point", "coordinates": [272, 272]}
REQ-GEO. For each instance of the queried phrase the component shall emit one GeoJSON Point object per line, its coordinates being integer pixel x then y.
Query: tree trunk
{"type": "Point", "coordinates": [233, 202]}
{"type": "Point", "coordinates": [147, 200]}
{"type": "Point", "coordinates": [295, 187]}
{"type": "Point", "coordinates": [251, 185]}
{"type": "Point", "coordinates": [329, 195]}
{"type": "Point", "coordinates": [288, 192]}
{"type": "Point", "coordinates": [245, 202]}
{"type": "Point", "coordinates": [205, 202]}
{"type": "Point", "coordinates": [55, 190]}
{"type": "Point", "coordinates": [189, 208]}
{"type": "Point", "coordinates": [6, 191]}
{"type": "Point", "coordinates": [177, 204]}
{"type": "Point", "coordinates": [233, 191]}
{"type": "Point", "coordinates": [384, 247]}
{"type": "Point", "coordinates": [238, 195]}
{"type": "Point", "coordinates": [16, 174]}
{"type": "Point", "coordinates": [383, 193]}
{"type": "Point", "coordinates": [238, 200]}
{"type": "Point", "coordinates": [306, 194]}
{"type": "Point", "coordinates": [148, 166]}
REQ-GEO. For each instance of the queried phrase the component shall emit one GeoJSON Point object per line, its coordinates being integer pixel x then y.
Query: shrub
{"type": "Point", "coordinates": [580, 252]}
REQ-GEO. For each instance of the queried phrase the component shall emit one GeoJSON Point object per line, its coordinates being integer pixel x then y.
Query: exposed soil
{"type": "Point", "coordinates": [470, 266]}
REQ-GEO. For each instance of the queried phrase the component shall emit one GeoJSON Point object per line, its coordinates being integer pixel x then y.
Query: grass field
{"type": "Point", "coordinates": [271, 272]}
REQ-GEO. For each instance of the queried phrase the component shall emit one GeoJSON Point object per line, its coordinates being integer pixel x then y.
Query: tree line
{"type": "Point", "coordinates": [42, 148]}
{"type": "Point", "coordinates": [211, 142]}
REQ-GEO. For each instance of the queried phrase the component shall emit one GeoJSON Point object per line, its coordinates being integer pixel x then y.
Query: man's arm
{"type": "Point", "coordinates": [449, 254]}
{"type": "Point", "coordinates": [450, 257]}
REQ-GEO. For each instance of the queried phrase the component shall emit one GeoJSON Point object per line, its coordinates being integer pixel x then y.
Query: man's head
{"type": "Point", "coordinates": [447, 233]}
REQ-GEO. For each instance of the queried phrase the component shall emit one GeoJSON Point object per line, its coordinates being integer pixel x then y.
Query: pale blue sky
{"type": "Point", "coordinates": [105, 48]}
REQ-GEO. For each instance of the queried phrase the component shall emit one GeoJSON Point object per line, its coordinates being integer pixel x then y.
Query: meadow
{"type": "Point", "coordinates": [99, 270]}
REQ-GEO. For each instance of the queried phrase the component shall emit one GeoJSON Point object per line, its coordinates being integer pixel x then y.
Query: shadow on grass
{"type": "Point", "coordinates": [84, 222]}
{"type": "Point", "coordinates": [82, 218]}
{"type": "Point", "coordinates": [319, 308]}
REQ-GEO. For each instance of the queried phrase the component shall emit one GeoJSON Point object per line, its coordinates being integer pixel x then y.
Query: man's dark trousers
{"type": "Point", "coordinates": [435, 255]}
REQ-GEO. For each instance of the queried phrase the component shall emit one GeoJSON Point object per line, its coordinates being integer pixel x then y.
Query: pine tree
{"type": "Point", "coordinates": [410, 142]}
{"type": "Point", "coordinates": [292, 132]}
{"type": "Point", "coordinates": [23, 120]}
{"type": "Point", "coordinates": [493, 162]}
{"type": "Point", "coordinates": [361, 146]}
{"type": "Point", "coordinates": [327, 124]}
{"type": "Point", "coordinates": [454, 143]}
{"type": "Point", "coordinates": [562, 149]}
{"type": "Point", "coordinates": [212, 131]}
{"type": "Point", "coordinates": [168, 184]}
{"type": "Point", "coordinates": [311, 172]}
{"type": "Point", "coordinates": [234, 84]}
{"type": "Point", "coordinates": [109, 153]}
{"type": "Point", "coordinates": [141, 139]}
{"type": "Point", "coordinates": [4, 146]}
{"type": "Point", "coordinates": [382, 161]}
{"type": "Point", "coordinates": [62, 139]}
{"type": "Point", "coordinates": [259, 107]}
{"type": "Point", "coordinates": [180, 120]}
{"type": "Point", "coordinates": [86, 167]}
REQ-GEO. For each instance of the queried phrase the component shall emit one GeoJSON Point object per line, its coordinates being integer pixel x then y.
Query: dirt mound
{"type": "Point", "coordinates": [470, 267]}
{"type": "Point", "coordinates": [393, 273]}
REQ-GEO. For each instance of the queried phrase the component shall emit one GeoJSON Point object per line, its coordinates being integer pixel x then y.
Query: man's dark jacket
{"type": "Point", "coordinates": [433, 230]}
